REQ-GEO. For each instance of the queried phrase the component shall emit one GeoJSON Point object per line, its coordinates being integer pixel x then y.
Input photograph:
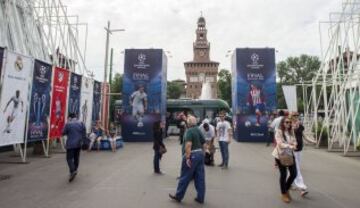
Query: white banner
{"type": "Point", "coordinates": [86, 102]}
{"type": "Point", "coordinates": [14, 98]}
{"type": "Point", "coordinates": [290, 97]}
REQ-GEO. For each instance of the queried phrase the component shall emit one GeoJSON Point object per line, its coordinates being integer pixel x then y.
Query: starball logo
{"type": "Point", "coordinates": [42, 70]}
{"type": "Point", "coordinates": [18, 63]}
{"type": "Point", "coordinates": [141, 62]}
{"type": "Point", "coordinates": [255, 62]}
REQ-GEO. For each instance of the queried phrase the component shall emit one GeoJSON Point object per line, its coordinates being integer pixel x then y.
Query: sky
{"type": "Point", "coordinates": [289, 26]}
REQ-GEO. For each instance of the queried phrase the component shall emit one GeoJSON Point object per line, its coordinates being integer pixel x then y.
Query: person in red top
{"type": "Point", "coordinates": [256, 101]}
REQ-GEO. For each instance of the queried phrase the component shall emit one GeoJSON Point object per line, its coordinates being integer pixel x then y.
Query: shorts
{"type": "Point", "coordinates": [137, 109]}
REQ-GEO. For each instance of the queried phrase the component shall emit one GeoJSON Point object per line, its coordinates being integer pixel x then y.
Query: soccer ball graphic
{"type": "Point", "coordinates": [247, 123]}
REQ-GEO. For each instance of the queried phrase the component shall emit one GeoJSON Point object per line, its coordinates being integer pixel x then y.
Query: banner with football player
{"type": "Point", "coordinates": [144, 93]}
{"type": "Point", "coordinates": [14, 98]}
{"type": "Point", "coordinates": [74, 94]}
{"type": "Point", "coordinates": [96, 107]}
{"type": "Point", "coordinates": [87, 85]}
{"type": "Point", "coordinates": [39, 109]}
{"type": "Point", "coordinates": [58, 102]}
{"type": "Point", "coordinates": [254, 92]}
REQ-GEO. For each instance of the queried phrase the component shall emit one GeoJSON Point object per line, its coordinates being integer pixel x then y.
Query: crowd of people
{"type": "Point", "coordinates": [198, 143]}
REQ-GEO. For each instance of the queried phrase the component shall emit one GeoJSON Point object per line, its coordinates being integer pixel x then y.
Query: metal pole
{"type": "Point", "coordinates": [111, 64]}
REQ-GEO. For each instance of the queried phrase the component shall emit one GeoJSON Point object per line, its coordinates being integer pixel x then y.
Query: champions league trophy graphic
{"type": "Point", "coordinates": [84, 110]}
{"type": "Point", "coordinates": [256, 102]}
{"type": "Point", "coordinates": [138, 102]}
{"type": "Point", "coordinates": [16, 100]}
{"type": "Point", "coordinates": [38, 108]}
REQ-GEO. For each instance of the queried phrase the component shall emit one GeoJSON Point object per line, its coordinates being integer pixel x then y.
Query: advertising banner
{"type": "Point", "coordinates": [14, 98]}
{"type": "Point", "coordinates": [290, 97]}
{"type": "Point", "coordinates": [74, 94]}
{"type": "Point", "coordinates": [39, 109]}
{"type": "Point", "coordinates": [87, 86]}
{"type": "Point", "coordinates": [144, 93]}
{"type": "Point", "coordinates": [254, 92]}
{"type": "Point", "coordinates": [96, 107]}
{"type": "Point", "coordinates": [58, 102]}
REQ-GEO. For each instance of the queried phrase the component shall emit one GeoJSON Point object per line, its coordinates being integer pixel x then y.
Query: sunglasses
{"type": "Point", "coordinates": [287, 122]}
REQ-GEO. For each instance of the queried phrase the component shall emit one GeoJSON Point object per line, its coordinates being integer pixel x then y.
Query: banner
{"type": "Point", "coordinates": [253, 92]}
{"type": "Point", "coordinates": [87, 86]}
{"type": "Point", "coordinates": [96, 107]}
{"type": "Point", "coordinates": [39, 109]}
{"type": "Point", "coordinates": [144, 93]}
{"type": "Point", "coordinates": [74, 94]}
{"type": "Point", "coordinates": [14, 98]}
{"type": "Point", "coordinates": [58, 102]}
{"type": "Point", "coordinates": [290, 97]}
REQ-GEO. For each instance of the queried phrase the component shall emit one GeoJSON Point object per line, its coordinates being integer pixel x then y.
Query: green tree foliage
{"type": "Point", "coordinates": [174, 90]}
{"type": "Point", "coordinates": [224, 85]}
{"type": "Point", "coordinates": [294, 70]}
{"type": "Point", "coordinates": [115, 87]}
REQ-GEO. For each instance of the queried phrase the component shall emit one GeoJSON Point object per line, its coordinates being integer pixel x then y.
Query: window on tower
{"type": "Point", "coordinates": [201, 36]}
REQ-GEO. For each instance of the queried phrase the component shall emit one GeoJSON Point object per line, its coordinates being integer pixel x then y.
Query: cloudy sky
{"type": "Point", "coordinates": [290, 26]}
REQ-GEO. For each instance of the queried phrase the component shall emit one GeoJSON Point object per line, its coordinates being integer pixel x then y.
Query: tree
{"type": "Point", "coordinates": [294, 70]}
{"type": "Point", "coordinates": [174, 90]}
{"type": "Point", "coordinates": [115, 87]}
{"type": "Point", "coordinates": [224, 85]}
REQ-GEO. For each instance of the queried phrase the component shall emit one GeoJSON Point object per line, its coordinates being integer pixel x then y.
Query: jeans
{"type": "Point", "coordinates": [157, 158]}
{"type": "Point", "coordinates": [72, 158]}
{"type": "Point", "coordinates": [224, 149]}
{"type": "Point", "coordinates": [196, 172]}
{"type": "Point", "coordinates": [286, 184]}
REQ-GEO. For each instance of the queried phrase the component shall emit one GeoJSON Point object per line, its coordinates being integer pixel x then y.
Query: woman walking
{"type": "Point", "coordinates": [159, 147]}
{"type": "Point", "coordinates": [283, 153]}
{"type": "Point", "coordinates": [300, 137]}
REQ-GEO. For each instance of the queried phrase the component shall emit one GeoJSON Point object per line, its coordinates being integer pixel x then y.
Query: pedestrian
{"type": "Point", "coordinates": [76, 132]}
{"type": "Point", "coordinates": [276, 122]}
{"type": "Point", "coordinates": [158, 147]}
{"type": "Point", "coordinates": [96, 136]}
{"type": "Point", "coordinates": [271, 130]}
{"type": "Point", "coordinates": [208, 131]}
{"type": "Point", "coordinates": [300, 137]}
{"type": "Point", "coordinates": [285, 144]}
{"type": "Point", "coordinates": [182, 126]}
{"type": "Point", "coordinates": [224, 135]}
{"type": "Point", "coordinates": [192, 166]}
{"type": "Point", "coordinates": [112, 136]}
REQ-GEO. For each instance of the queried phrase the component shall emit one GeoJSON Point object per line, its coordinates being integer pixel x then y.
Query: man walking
{"type": "Point", "coordinates": [192, 166]}
{"type": "Point", "coordinates": [224, 134]}
{"type": "Point", "coordinates": [75, 132]}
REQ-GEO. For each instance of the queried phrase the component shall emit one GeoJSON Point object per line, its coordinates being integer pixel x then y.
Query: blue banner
{"type": "Point", "coordinates": [144, 93]}
{"type": "Point", "coordinates": [96, 107]}
{"type": "Point", "coordinates": [39, 109]}
{"type": "Point", "coordinates": [74, 94]}
{"type": "Point", "coordinates": [254, 92]}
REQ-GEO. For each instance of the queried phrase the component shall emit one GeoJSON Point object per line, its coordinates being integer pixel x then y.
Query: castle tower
{"type": "Point", "coordinates": [201, 69]}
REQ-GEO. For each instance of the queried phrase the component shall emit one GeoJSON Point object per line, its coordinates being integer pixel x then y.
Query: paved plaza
{"type": "Point", "coordinates": [126, 179]}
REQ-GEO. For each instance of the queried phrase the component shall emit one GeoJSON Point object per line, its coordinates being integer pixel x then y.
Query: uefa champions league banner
{"type": "Point", "coordinates": [14, 98]}
{"type": "Point", "coordinates": [58, 102]}
{"type": "Point", "coordinates": [254, 92]}
{"type": "Point", "coordinates": [144, 93]}
{"type": "Point", "coordinates": [74, 94]}
{"type": "Point", "coordinates": [96, 107]}
{"type": "Point", "coordinates": [86, 102]}
{"type": "Point", "coordinates": [39, 109]}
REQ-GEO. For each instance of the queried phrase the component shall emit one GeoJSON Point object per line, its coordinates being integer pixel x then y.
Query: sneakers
{"type": "Point", "coordinates": [72, 176]}
{"type": "Point", "coordinates": [303, 193]}
{"type": "Point", "coordinates": [173, 197]}
{"type": "Point", "coordinates": [198, 201]}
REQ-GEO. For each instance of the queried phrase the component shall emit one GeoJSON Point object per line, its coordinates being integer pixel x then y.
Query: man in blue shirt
{"type": "Point", "coordinates": [75, 132]}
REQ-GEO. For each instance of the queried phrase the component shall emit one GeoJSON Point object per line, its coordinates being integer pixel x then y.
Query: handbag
{"type": "Point", "coordinates": [286, 157]}
{"type": "Point", "coordinates": [162, 149]}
